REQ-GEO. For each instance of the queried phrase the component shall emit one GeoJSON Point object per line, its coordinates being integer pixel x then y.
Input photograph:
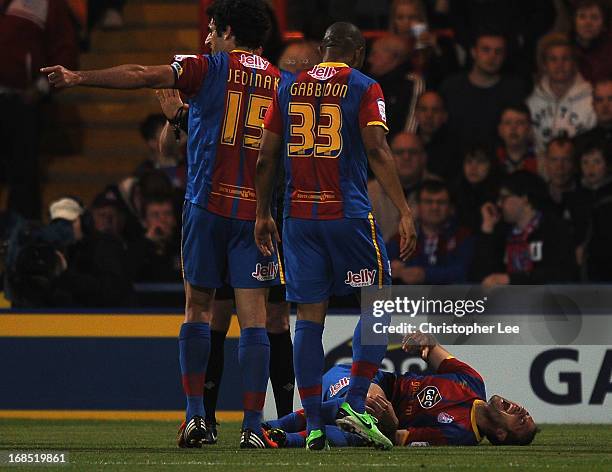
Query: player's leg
{"type": "Point", "coordinates": [361, 262]}
{"type": "Point", "coordinates": [223, 308]}
{"type": "Point", "coordinates": [282, 375]}
{"type": "Point", "coordinates": [203, 263]}
{"type": "Point", "coordinates": [254, 358]}
{"type": "Point", "coordinates": [309, 284]}
{"type": "Point", "coordinates": [309, 361]}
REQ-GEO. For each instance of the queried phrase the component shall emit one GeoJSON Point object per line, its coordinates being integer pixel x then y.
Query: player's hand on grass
{"type": "Point", "coordinates": [418, 344]}
{"type": "Point", "coordinates": [382, 410]}
{"type": "Point", "coordinates": [408, 236]}
{"type": "Point", "coordinates": [266, 234]}
{"type": "Point", "coordinates": [60, 77]}
{"type": "Point", "coordinates": [170, 101]}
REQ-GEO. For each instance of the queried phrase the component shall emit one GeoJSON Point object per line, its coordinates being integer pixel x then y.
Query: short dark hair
{"type": "Point", "coordinates": [248, 19]}
{"type": "Point", "coordinates": [432, 186]}
{"type": "Point", "coordinates": [518, 107]}
{"type": "Point", "coordinates": [514, 440]}
{"type": "Point", "coordinates": [603, 8]}
{"type": "Point", "coordinates": [151, 124]}
{"type": "Point", "coordinates": [562, 139]}
{"type": "Point", "coordinates": [523, 183]}
{"type": "Point", "coordinates": [488, 31]}
{"type": "Point", "coordinates": [155, 200]}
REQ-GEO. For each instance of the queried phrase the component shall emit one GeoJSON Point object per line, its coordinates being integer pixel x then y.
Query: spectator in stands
{"type": "Point", "coordinates": [171, 165]}
{"type": "Point", "coordinates": [299, 56]}
{"type": "Point", "coordinates": [562, 99]}
{"type": "Point", "coordinates": [568, 201]}
{"type": "Point", "coordinates": [411, 161]}
{"type": "Point", "coordinates": [516, 150]}
{"type": "Point", "coordinates": [431, 118]}
{"type": "Point", "coordinates": [444, 249]}
{"type": "Point", "coordinates": [434, 56]}
{"type": "Point", "coordinates": [32, 35]}
{"type": "Point", "coordinates": [593, 40]}
{"type": "Point", "coordinates": [522, 22]}
{"type": "Point", "coordinates": [596, 183]}
{"type": "Point", "coordinates": [537, 249]}
{"type": "Point", "coordinates": [107, 215]}
{"type": "Point", "coordinates": [156, 257]}
{"type": "Point", "coordinates": [387, 63]}
{"type": "Point", "coordinates": [108, 14]}
{"type": "Point", "coordinates": [594, 191]}
{"type": "Point", "coordinates": [602, 132]}
{"type": "Point", "coordinates": [477, 185]}
{"type": "Point", "coordinates": [475, 99]}
{"type": "Point", "coordinates": [70, 264]}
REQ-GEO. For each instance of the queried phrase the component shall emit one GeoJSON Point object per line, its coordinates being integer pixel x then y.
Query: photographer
{"type": "Point", "coordinates": [66, 263]}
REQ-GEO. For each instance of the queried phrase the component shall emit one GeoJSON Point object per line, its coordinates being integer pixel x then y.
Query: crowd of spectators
{"type": "Point", "coordinates": [500, 117]}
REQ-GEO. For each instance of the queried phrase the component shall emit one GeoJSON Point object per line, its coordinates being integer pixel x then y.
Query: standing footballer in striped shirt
{"type": "Point", "coordinates": [228, 93]}
{"type": "Point", "coordinates": [329, 123]}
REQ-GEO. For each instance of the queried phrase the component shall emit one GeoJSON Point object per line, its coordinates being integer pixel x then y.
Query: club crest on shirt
{"type": "Point", "coordinates": [363, 278]}
{"type": "Point", "coordinates": [254, 61]}
{"type": "Point", "coordinates": [266, 272]}
{"type": "Point", "coordinates": [429, 397]}
{"type": "Point", "coordinates": [322, 73]}
{"type": "Point", "coordinates": [445, 418]}
{"type": "Point", "coordinates": [381, 109]}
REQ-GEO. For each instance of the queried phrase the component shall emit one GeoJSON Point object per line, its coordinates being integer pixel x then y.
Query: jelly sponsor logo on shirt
{"type": "Point", "coordinates": [254, 62]}
{"type": "Point", "coordinates": [322, 73]}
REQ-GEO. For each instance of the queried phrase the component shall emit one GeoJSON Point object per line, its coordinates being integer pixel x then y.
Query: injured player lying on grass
{"type": "Point", "coordinates": [445, 408]}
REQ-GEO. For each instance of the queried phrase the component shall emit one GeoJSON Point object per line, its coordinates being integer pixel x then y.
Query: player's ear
{"type": "Point", "coordinates": [227, 34]}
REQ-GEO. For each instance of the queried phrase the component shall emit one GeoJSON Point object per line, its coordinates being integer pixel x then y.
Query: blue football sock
{"type": "Point", "coordinates": [296, 439]}
{"type": "Point", "coordinates": [308, 361]}
{"type": "Point", "coordinates": [338, 438]}
{"type": "Point", "coordinates": [254, 359]}
{"type": "Point", "coordinates": [194, 349]}
{"type": "Point", "coordinates": [292, 423]}
{"type": "Point", "coordinates": [366, 361]}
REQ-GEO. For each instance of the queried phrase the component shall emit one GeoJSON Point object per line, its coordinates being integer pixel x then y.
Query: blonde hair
{"type": "Point", "coordinates": [419, 6]}
{"type": "Point", "coordinates": [550, 41]}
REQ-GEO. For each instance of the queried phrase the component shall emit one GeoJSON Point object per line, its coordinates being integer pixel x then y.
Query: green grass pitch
{"type": "Point", "coordinates": [149, 445]}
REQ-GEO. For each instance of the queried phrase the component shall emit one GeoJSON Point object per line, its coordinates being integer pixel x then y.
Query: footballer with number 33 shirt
{"type": "Point", "coordinates": [328, 123]}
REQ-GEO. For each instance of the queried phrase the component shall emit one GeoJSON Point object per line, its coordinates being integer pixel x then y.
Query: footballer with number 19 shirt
{"type": "Point", "coordinates": [328, 123]}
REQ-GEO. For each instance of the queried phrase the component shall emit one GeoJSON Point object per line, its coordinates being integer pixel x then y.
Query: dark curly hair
{"type": "Point", "coordinates": [248, 19]}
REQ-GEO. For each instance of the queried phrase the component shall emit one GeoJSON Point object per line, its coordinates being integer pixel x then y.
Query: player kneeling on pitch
{"type": "Point", "coordinates": [445, 408]}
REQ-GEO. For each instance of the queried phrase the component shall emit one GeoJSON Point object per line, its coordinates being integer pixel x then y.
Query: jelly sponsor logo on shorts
{"type": "Point", "coordinates": [339, 385]}
{"type": "Point", "coordinates": [265, 272]}
{"type": "Point", "coordinates": [363, 278]}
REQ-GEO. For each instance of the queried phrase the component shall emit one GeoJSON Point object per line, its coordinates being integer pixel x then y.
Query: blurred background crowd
{"type": "Point", "coordinates": [500, 117]}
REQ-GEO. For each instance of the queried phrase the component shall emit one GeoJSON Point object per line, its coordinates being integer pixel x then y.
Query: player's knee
{"type": "Point", "coordinates": [277, 320]}
{"type": "Point", "coordinates": [198, 303]}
